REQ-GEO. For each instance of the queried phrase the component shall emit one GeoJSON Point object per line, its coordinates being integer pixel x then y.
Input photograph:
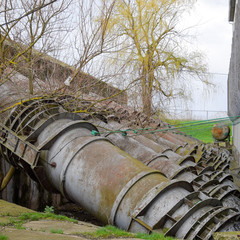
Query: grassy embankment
{"type": "Point", "coordinates": [15, 217]}
{"type": "Point", "coordinates": [197, 129]}
{"type": "Point", "coordinates": [106, 232]}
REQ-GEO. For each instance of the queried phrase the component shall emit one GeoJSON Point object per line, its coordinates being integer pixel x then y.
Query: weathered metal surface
{"type": "Point", "coordinates": [114, 186]}
{"type": "Point", "coordinates": [151, 158]}
{"type": "Point", "coordinates": [163, 198]}
{"type": "Point", "coordinates": [117, 194]}
{"type": "Point", "coordinates": [165, 165]}
{"type": "Point", "coordinates": [151, 144]}
{"type": "Point", "coordinates": [171, 138]}
{"type": "Point", "coordinates": [156, 141]}
{"type": "Point", "coordinates": [196, 211]}
{"type": "Point", "coordinates": [132, 147]}
{"type": "Point", "coordinates": [220, 132]}
{"type": "Point", "coordinates": [185, 173]}
{"type": "Point", "coordinates": [198, 154]}
{"type": "Point", "coordinates": [183, 151]}
{"type": "Point", "coordinates": [186, 139]}
{"type": "Point", "coordinates": [161, 141]}
{"type": "Point", "coordinates": [46, 121]}
{"type": "Point", "coordinates": [24, 150]}
{"type": "Point", "coordinates": [169, 163]}
{"type": "Point", "coordinates": [216, 217]}
{"type": "Point", "coordinates": [143, 148]}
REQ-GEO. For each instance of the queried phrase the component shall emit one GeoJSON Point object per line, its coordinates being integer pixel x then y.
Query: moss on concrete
{"type": "Point", "coordinates": [11, 209]}
{"type": "Point", "coordinates": [13, 227]}
{"type": "Point", "coordinates": [226, 236]}
{"type": "Point", "coordinates": [19, 234]}
{"type": "Point", "coordinates": [67, 227]}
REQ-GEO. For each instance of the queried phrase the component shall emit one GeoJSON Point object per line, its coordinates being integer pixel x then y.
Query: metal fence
{"type": "Point", "coordinates": [195, 114]}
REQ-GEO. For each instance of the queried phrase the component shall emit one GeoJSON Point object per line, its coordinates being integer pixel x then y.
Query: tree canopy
{"type": "Point", "coordinates": [152, 44]}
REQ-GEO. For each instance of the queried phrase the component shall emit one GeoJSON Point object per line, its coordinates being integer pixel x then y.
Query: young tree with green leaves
{"type": "Point", "coordinates": [152, 45]}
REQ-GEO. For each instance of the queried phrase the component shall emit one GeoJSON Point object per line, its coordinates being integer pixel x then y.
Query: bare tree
{"type": "Point", "coordinates": [25, 39]}
{"type": "Point", "coordinates": [38, 32]}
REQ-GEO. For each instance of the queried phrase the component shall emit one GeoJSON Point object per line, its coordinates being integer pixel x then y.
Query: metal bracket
{"type": "Point", "coordinates": [24, 150]}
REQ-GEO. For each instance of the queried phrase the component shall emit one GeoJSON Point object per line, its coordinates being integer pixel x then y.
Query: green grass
{"type": "Point", "coordinates": [36, 216]}
{"type": "Point", "coordinates": [198, 129]}
{"type": "Point", "coordinates": [3, 237]}
{"type": "Point", "coordinates": [113, 232]}
{"type": "Point", "coordinates": [153, 236]}
{"type": "Point", "coordinates": [107, 232]}
{"type": "Point", "coordinates": [58, 231]}
{"type": "Point", "coordinates": [17, 222]}
{"type": "Point", "coordinates": [104, 232]}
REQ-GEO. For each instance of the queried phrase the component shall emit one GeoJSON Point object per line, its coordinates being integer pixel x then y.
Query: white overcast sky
{"type": "Point", "coordinates": [212, 35]}
{"type": "Point", "coordinates": [213, 32]}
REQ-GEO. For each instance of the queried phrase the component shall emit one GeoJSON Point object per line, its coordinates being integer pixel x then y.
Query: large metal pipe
{"type": "Point", "coordinates": [149, 157]}
{"type": "Point", "coordinates": [58, 149]}
{"type": "Point", "coordinates": [152, 141]}
{"type": "Point", "coordinates": [108, 183]}
{"type": "Point", "coordinates": [143, 149]}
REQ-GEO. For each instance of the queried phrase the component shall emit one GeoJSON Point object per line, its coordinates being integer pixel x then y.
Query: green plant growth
{"type": "Point", "coordinates": [17, 222]}
{"type": "Point", "coordinates": [58, 231]}
{"type": "Point", "coordinates": [3, 237]}
{"type": "Point", "coordinates": [49, 209]}
{"type": "Point", "coordinates": [153, 236]}
{"type": "Point", "coordinates": [36, 216]}
{"type": "Point", "coordinates": [113, 232]}
{"type": "Point", "coordinates": [107, 232]}
{"type": "Point", "coordinates": [198, 129]}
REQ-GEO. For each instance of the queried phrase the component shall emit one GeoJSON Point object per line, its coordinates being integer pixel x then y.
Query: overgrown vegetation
{"type": "Point", "coordinates": [197, 129]}
{"type": "Point", "coordinates": [113, 232]}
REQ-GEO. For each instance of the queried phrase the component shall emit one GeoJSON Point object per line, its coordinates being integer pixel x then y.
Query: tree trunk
{"type": "Point", "coordinates": [147, 88]}
{"type": "Point", "coordinates": [147, 105]}
{"type": "Point", "coordinates": [146, 99]}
